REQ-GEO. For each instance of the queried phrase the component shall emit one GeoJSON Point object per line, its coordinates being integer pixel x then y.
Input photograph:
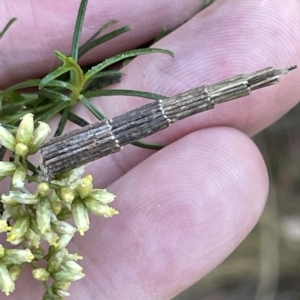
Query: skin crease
{"type": "Point", "coordinates": [184, 209]}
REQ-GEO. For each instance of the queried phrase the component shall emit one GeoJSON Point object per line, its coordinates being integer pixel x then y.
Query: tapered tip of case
{"type": "Point", "coordinates": [287, 70]}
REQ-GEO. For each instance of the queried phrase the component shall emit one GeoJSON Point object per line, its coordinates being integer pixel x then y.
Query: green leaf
{"type": "Point", "coordinates": [164, 32]}
{"type": "Point", "coordinates": [63, 121]}
{"type": "Point", "coordinates": [102, 80]}
{"type": "Point", "coordinates": [61, 84]}
{"type": "Point", "coordinates": [56, 73]}
{"type": "Point", "coordinates": [52, 112]}
{"type": "Point", "coordinates": [147, 145]}
{"type": "Point", "coordinates": [91, 39]}
{"type": "Point", "coordinates": [103, 39]}
{"type": "Point", "coordinates": [78, 29]}
{"type": "Point", "coordinates": [92, 108]}
{"type": "Point", "coordinates": [94, 70]}
{"type": "Point", "coordinates": [53, 95]}
{"type": "Point", "coordinates": [77, 120]}
{"type": "Point", "coordinates": [11, 21]}
{"type": "Point", "coordinates": [23, 85]}
{"type": "Point", "coordinates": [107, 73]}
{"type": "Point", "coordinates": [132, 93]}
{"type": "Point", "coordinates": [1, 102]}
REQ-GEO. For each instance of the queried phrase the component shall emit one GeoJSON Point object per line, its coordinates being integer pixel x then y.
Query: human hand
{"type": "Point", "coordinates": [185, 208]}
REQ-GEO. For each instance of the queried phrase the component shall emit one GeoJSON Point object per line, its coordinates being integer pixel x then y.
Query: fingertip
{"type": "Point", "coordinates": [182, 211]}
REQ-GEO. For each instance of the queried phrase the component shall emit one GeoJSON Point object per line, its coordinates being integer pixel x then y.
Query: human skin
{"type": "Point", "coordinates": [183, 209]}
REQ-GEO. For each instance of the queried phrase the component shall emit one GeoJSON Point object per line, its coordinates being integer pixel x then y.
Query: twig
{"type": "Point", "coordinates": [91, 142]}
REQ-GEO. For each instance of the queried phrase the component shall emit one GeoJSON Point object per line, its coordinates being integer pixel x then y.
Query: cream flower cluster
{"type": "Point", "coordinates": [28, 219]}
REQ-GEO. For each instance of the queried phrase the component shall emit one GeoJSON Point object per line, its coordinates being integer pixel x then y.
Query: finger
{"type": "Point", "coordinates": [228, 38]}
{"type": "Point", "coordinates": [27, 48]}
{"type": "Point", "coordinates": [182, 211]}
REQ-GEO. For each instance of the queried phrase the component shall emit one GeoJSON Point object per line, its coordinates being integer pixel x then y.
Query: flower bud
{"type": "Point", "coordinates": [85, 186]}
{"type": "Point", "coordinates": [102, 195]}
{"type": "Point", "coordinates": [19, 177]}
{"type": "Point", "coordinates": [51, 237]}
{"type": "Point", "coordinates": [43, 215]}
{"type": "Point", "coordinates": [63, 227]}
{"type": "Point", "coordinates": [67, 276]}
{"type": "Point", "coordinates": [7, 139]}
{"type": "Point", "coordinates": [40, 274]}
{"type": "Point", "coordinates": [61, 285]}
{"type": "Point", "coordinates": [7, 168]}
{"type": "Point", "coordinates": [61, 293]}
{"type": "Point", "coordinates": [56, 207]}
{"type": "Point", "coordinates": [33, 239]}
{"type": "Point", "coordinates": [12, 211]}
{"type": "Point", "coordinates": [99, 209]}
{"type": "Point", "coordinates": [1, 250]}
{"type": "Point", "coordinates": [39, 137]}
{"type": "Point", "coordinates": [73, 266]}
{"type": "Point", "coordinates": [74, 256]}
{"type": "Point", "coordinates": [64, 240]}
{"type": "Point", "coordinates": [16, 256]}
{"type": "Point", "coordinates": [38, 253]}
{"type": "Point", "coordinates": [65, 214]}
{"type": "Point", "coordinates": [14, 272]}
{"type": "Point", "coordinates": [4, 226]}
{"type": "Point", "coordinates": [25, 129]}
{"type": "Point", "coordinates": [21, 149]}
{"type": "Point", "coordinates": [43, 189]}
{"type": "Point", "coordinates": [18, 230]}
{"type": "Point", "coordinates": [6, 284]}
{"type": "Point", "coordinates": [67, 195]}
{"type": "Point", "coordinates": [56, 260]}
{"type": "Point", "coordinates": [81, 217]}
{"type": "Point", "coordinates": [18, 197]}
